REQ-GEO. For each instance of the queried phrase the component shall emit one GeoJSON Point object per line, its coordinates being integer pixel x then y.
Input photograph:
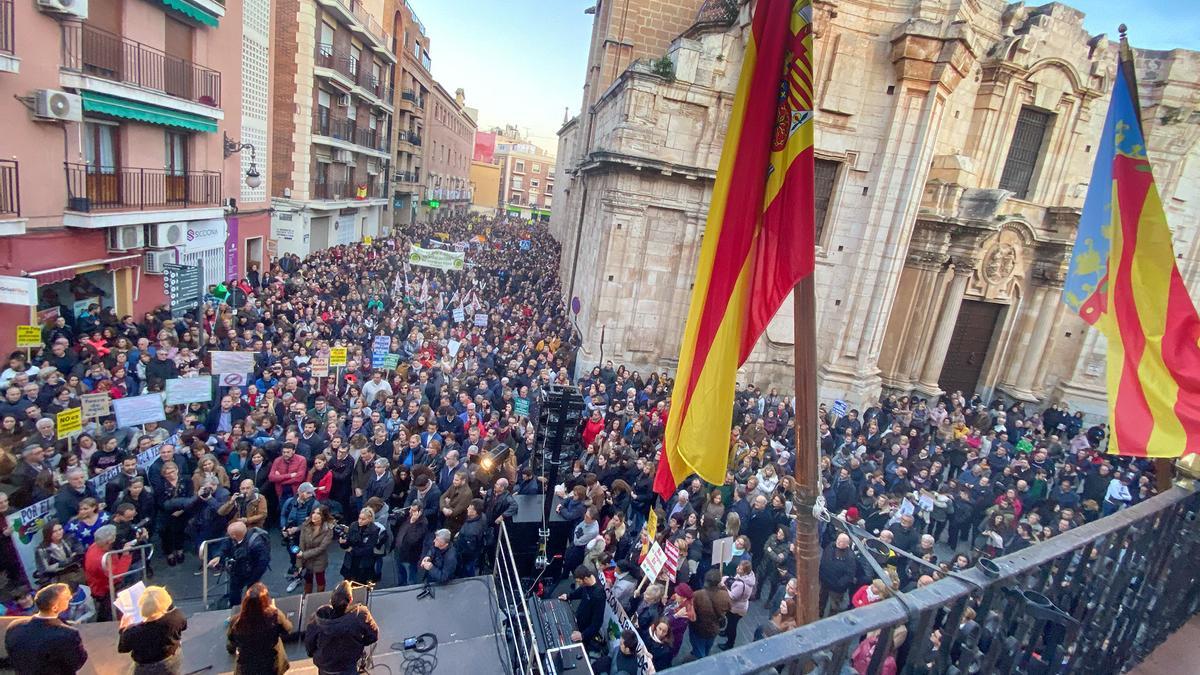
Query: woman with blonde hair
{"type": "Point", "coordinates": [208, 465]}
{"type": "Point", "coordinates": [154, 643]}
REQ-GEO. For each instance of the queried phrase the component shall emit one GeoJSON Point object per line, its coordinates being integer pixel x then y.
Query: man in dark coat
{"type": "Point", "coordinates": [589, 613]}
{"type": "Point", "coordinates": [468, 545]}
{"type": "Point", "coordinates": [42, 643]}
{"type": "Point", "coordinates": [247, 556]}
{"type": "Point", "coordinates": [440, 561]}
{"type": "Point", "coordinates": [339, 633]}
{"type": "Point", "coordinates": [838, 574]}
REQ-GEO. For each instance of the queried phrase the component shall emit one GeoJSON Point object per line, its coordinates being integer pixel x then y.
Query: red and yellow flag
{"type": "Point", "coordinates": [758, 241]}
{"type": "Point", "coordinates": [1123, 280]}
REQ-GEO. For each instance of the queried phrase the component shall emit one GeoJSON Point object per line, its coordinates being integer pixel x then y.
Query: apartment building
{"type": "Point", "coordinates": [331, 124]}
{"type": "Point", "coordinates": [414, 85]}
{"type": "Point", "coordinates": [448, 157]}
{"type": "Point", "coordinates": [127, 146]}
{"type": "Point", "coordinates": [526, 176]}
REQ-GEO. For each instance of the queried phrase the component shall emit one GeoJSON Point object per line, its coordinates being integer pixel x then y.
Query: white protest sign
{"type": "Point", "coordinates": [233, 379]}
{"type": "Point", "coordinates": [95, 405]}
{"type": "Point", "coordinates": [615, 621]}
{"type": "Point", "coordinates": [459, 315]}
{"type": "Point", "coordinates": [481, 319]}
{"type": "Point", "coordinates": [453, 346]}
{"type": "Point", "coordinates": [232, 362]}
{"type": "Point", "coordinates": [437, 258]}
{"type": "Point", "coordinates": [184, 390]}
{"type": "Point", "coordinates": [137, 410]}
{"type": "Point", "coordinates": [653, 563]}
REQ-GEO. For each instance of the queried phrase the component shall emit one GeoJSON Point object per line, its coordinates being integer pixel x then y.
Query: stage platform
{"type": "Point", "coordinates": [463, 614]}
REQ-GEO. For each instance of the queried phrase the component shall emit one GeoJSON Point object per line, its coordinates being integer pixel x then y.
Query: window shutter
{"type": "Point", "coordinates": [1023, 154]}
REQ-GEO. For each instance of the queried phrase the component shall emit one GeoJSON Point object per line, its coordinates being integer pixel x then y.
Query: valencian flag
{"type": "Point", "coordinates": [758, 241]}
{"type": "Point", "coordinates": [1124, 282]}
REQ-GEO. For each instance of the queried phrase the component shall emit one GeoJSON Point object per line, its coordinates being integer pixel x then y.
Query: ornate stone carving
{"type": "Point", "coordinates": [999, 263]}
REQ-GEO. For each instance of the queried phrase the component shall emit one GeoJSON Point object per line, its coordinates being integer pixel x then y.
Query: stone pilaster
{"type": "Point", "coordinates": [935, 357]}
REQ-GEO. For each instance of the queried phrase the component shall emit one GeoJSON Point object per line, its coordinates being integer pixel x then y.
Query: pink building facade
{"type": "Point", "coordinates": [114, 159]}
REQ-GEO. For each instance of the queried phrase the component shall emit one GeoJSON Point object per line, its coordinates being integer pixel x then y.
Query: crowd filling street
{"type": "Point", "coordinates": [399, 463]}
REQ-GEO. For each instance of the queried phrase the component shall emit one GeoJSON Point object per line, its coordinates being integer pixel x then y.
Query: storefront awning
{"type": "Point", "coordinates": [144, 112]}
{"type": "Point", "coordinates": [68, 272]}
{"type": "Point", "coordinates": [191, 11]}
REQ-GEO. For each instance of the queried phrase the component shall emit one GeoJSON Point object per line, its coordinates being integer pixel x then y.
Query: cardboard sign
{"type": "Point", "coordinates": [481, 319]}
{"type": "Point", "coordinates": [29, 336]}
{"type": "Point", "coordinates": [233, 380]}
{"type": "Point", "coordinates": [459, 315]}
{"type": "Point", "coordinates": [653, 563]}
{"type": "Point", "coordinates": [379, 350]}
{"type": "Point", "coordinates": [68, 422]}
{"type": "Point", "coordinates": [337, 357]}
{"type": "Point", "coordinates": [184, 390]}
{"type": "Point", "coordinates": [96, 405]}
{"type": "Point", "coordinates": [391, 361]}
{"type": "Point", "coordinates": [137, 410]}
{"type": "Point", "coordinates": [722, 551]}
{"type": "Point", "coordinates": [232, 362]}
{"type": "Point", "coordinates": [319, 366]}
{"type": "Point", "coordinates": [453, 346]}
{"type": "Point", "coordinates": [521, 407]}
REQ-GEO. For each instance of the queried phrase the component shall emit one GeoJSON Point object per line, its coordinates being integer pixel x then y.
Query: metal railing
{"type": "Point", "coordinates": [122, 188]}
{"type": "Point", "coordinates": [406, 177]}
{"type": "Point", "coordinates": [409, 137]}
{"type": "Point", "coordinates": [10, 188]}
{"type": "Point", "coordinates": [334, 189]}
{"type": "Point", "coordinates": [95, 52]}
{"type": "Point", "coordinates": [336, 60]}
{"type": "Point", "coordinates": [204, 568]}
{"type": "Point", "coordinates": [511, 594]}
{"type": "Point", "coordinates": [1096, 599]}
{"type": "Point", "coordinates": [112, 578]}
{"type": "Point", "coordinates": [341, 128]}
{"type": "Point", "coordinates": [7, 32]}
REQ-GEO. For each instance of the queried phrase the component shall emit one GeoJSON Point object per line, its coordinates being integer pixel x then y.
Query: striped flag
{"type": "Point", "coordinates": [1124, 282]}
{"type": "Point", "coordinates": [672, 565]}
{"type": "Point", "coordinates": [758, 240]}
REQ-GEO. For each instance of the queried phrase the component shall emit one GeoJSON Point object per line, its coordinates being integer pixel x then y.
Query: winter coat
{"type": "Point", "coordinates": [260, 648]}
{"type": "Point", "coordinates": [457, 499]}
{"type": "Point", "coordinates": [741, 587]}
{"type": "Point", "coordinates": [839, 569]}
{"type": "Point", "coordinates": [337, 642]}
{"type": "Point", "coordinates": [252, 511]}
{"type": "Point", "coordinates": [314, 547]}
{"type": "Point", "coordinates": [711, 605]}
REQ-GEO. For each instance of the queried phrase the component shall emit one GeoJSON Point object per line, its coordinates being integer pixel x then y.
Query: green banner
{"type": "Point", "coordinates": [437, 258]}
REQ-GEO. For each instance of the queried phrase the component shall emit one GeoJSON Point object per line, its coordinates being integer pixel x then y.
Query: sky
{"type": "Point", "coordinates": [522, 62]}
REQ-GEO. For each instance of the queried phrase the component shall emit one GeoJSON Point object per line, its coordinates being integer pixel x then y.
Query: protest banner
{"type": "Point", "coordinates": [379, 350]}
{"type": "Point", "coordinates": [654, 561]}
{"type": "Point", "coordinates": [29, 336]}
{"type": "Point", "coordinates": [615, 621]}
{"type": "Point", "coordinates": [337, 357]}
{"type": "Point", "coordinates": [184, 390]}
{"type": "Point", "coordinates": [320, 366]}
{"type": "Point", "coordinates": [232, 362]}
{"type": "Point", "coordinates": [96, 405]}
{"type": "Point", "coordinates": [135, 411]}
{"type": "Point", "coordinates": [481, 319]}
{"type": "Point", "coordinates": [392, 361]}
{"type": "Point", "coordinates": [459, 315]}
{"type": "Point", "coordinates": [68, 422]}
{"type": "Point", "coordinates": [437, 258]}
{"type": "Point", "coordinates": [521, 407]}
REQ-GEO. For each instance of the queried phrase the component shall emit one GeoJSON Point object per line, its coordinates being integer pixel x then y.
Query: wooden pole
{"type": "Point", "coordinates": [808, 542]}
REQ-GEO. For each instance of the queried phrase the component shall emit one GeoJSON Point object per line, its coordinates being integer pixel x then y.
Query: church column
{"type": "Point", "coordinates": [1043, 313]}
{"type": "Point", "coordinates": [940, 343]}
{"type": "Point", "coordinates": [927, 292]}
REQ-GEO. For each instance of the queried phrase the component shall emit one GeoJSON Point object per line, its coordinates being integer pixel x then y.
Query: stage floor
{"type": "Point", "coordinates": [463, 615]}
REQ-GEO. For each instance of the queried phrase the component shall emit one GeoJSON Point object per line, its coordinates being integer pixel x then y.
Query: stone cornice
{"type": "Point", "coordinates": [599, 160]}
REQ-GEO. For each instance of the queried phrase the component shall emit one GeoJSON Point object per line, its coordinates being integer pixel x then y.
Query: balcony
{"type": "Point", "coordinates": [355, 15]}
{"type": "Point", "coordinates": [349, 191]}
{"type": "Point", "coordinates": [410, 102]}
{"type": "Point", "coordinates": [91, 54]}
{"type": "Point", "coordinates": [338, 128]}
{"type": "Point", "coordinates": [91, 189]}
{"type": "Point", "coordinates": [346, 134]}
{"type": "Point", "coordinates": [9, 63]}
{"type": "Point", "coordinates": [371, 138]}
{"type": "Point", "coordinates": [330, 190]}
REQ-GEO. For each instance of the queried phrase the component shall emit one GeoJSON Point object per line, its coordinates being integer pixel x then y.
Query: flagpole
{"type": "Point", "coordinates": [808, 544]}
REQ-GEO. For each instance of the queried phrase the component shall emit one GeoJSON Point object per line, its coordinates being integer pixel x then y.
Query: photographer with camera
{"type": "Point", "coordinates": [247, 555]}
{"type": "Point", "coordinates": [132, 531]}
{"type": "Point", "coordinates": [246, 505]}
{"type": "Point", "coordinates": [204, 521]}
{"type": "Point", "coordinates": [295, 512]}
{"type": "Point", "coordinates": [360, 540]}
{"type": "Point", "coordinates": [339, 633]}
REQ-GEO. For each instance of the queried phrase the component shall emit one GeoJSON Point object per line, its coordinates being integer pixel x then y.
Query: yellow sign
{"type": "Point", "coordinates": [337, 357]}
{"type": "Point", "coordinates": [368, 240]}
{"type": "Point", "coordinates": [651, 530]}
{"type": "Point", "coordinates": [69, 422]}
{"type": "Point", "coordinates": [29, 336]}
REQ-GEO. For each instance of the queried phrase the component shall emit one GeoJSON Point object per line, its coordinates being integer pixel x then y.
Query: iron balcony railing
{"type": "Point", "coordinates": [371, 138]}
{"type": "Point", "coordinates": [10, 188]}
{"type": "Point", "coordinates": [122, 188]}
{"type": "Point", "coordinates": [407, 177]}
{"type": "Point", "coordinates": [7, 32]}
{"type": "Point", "coordinates": [91, 51]}
{"type": "Point", "coordinates": [340, 128]}
{"type": "Point", "coordinates": [334, 189]}
{"type": "Point", "coordinates": [349, 189]}
{"type": "Point", "coordinates": [1096, 599]}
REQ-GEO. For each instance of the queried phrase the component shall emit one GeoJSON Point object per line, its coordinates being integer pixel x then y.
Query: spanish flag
{"type": "Point", "coordinates": [758, 241]}
{"type": "Point", "coordinates": [1123, 281]}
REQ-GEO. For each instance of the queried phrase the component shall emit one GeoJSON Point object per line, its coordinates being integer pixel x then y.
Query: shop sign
{"type": "Point", "coordinates": [18, 291]}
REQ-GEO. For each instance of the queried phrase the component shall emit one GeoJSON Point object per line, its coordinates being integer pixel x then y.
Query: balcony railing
{"type": "Point", "coordinates": [10, 189]}
{"type": "Point", "coordinates": [340, 128]}
{"type": "Point", "coordinates": [98, 53]}
{"type": "Point", "coordinates": [106, 188]}
{"type": "Point", "coordinates": [371, 138]}
{"type": "Point", "coordinates": [1095, 599]}
{"type": "Point", "coordinates": [343, 189]}
{"type": "Point", "coordinates": [407, 177]}
{"type": "Point", "coordinates": [336, 60]}
{"type": "Point", "coordinates": [7, 33]}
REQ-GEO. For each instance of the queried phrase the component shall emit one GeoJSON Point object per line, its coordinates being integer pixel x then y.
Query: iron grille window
{"type": "Point", "coordinates": [1023, 154]}
{"type": "Point", "coordinates": [826, 171]}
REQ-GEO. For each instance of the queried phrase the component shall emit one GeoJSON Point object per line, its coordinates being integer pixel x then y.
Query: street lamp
{"type": "Point", "coordinates": [253, 179]}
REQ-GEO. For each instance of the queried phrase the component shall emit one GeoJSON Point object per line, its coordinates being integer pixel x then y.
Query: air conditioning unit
{"type": "Point", "coordinates": [343, 156]}
{"type": "Point", "coordinates": [344, 101]}
{"type": "Point", "coordinates": [156, 261]}
{"type": "Point", "coordinates": [166, 235]}
{"type": "Point", "coordinates": [126, 237]}
{"type": "Point", "coordinates": [77, 8]}
{"type": "Point", "coordinates": [52, 105]}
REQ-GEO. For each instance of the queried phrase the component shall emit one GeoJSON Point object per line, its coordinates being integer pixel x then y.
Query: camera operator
{"type": "Point", "coordinates": [129, 528]}
{"type": "Point", "coordinates": [440, 561]}
{"type": "Point", "coordinates": [296, 511]}
{"type": "Point", "coordinates": [204, 520]}
{"type": "Point", "coordinates": [339, 633]}
{"type": "Point", "coordinates": [360, 540]}
{"type": "Point", "coordinates": [246, 505]}
{"type": "Point", "coordinates": [247, 554]}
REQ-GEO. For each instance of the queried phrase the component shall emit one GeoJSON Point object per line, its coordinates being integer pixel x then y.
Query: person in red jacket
{"type": "Point", "coordinates": [288, 471]}
{"type": "Point", "coordinates": [95, 573]}
{"type": "Point", "coordinates": [593, 427]}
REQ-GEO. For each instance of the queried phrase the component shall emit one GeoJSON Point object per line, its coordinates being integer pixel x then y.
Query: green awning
{"type": "Point", "coordinates": [145, 112]}
{"type": "Point", "coordinates": [193, 12]}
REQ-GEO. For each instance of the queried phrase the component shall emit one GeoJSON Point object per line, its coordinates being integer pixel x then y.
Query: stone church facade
{"type": "Point", "coordinates": [954, 141]}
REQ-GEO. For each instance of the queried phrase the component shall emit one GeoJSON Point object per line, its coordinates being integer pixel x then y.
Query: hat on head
{"type": "Point", "coordinates": [307, 487]}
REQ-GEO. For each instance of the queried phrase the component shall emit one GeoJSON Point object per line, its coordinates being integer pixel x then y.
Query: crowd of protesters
{"type": "Point", "coordinates": [405, 462]}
